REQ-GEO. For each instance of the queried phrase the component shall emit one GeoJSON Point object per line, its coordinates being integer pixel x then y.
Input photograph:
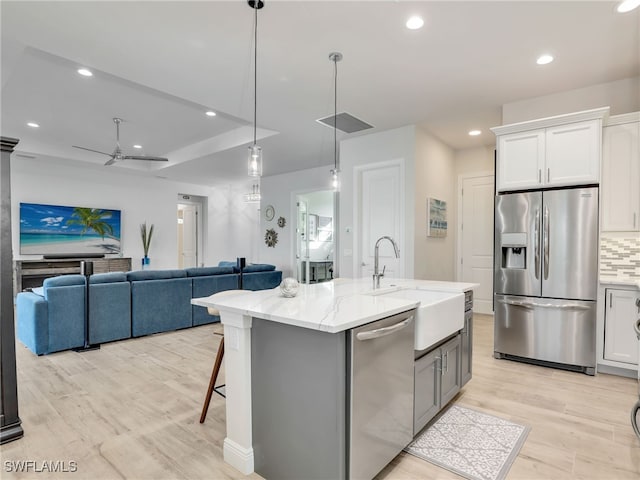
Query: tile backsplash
{"type": "Point", "coordinates": [620, 256]}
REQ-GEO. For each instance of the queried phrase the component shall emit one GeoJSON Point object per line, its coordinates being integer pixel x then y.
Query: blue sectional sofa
{"type": "Point", "coordinates": [124, 305]}
{"type": "Point", "coordinates": [61, 299]}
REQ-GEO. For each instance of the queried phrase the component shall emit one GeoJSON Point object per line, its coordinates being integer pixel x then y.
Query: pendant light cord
{"type": "Point", "coordinates": [255, 72]}
{"type": "Point", "coordinates": [335, 113]}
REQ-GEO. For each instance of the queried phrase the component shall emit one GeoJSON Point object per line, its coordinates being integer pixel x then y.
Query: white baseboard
{"type": "Point", "coordinates": [238, 457]}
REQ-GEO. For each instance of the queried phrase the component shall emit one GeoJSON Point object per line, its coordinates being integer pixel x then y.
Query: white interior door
{"type": "Point", "coordinates": [476, 239]}
{"type": "Point", "coordinates": [382, 209]}
{"type": "Point", "coordinates": [188, 255]}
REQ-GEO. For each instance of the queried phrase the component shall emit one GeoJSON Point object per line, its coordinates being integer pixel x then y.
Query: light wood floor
{"type": "Point", "coordinates": [131, 409]}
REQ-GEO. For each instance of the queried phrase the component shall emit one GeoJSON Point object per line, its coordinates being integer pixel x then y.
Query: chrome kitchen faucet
{"type": "Point", "coordinates": [377, 275]}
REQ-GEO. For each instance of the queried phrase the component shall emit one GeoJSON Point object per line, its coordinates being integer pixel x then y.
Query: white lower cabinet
{"type": "Point", "coordinates": [621, 312]}
{"type": "Point", "coordinates": [437, 379]}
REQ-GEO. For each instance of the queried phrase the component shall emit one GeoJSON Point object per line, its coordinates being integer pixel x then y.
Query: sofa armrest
{"type": "Point", "coordinates": [32, 315]}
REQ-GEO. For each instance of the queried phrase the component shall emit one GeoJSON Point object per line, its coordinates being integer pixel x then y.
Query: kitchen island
{"type": "Point", "coordinates": [317, 321]}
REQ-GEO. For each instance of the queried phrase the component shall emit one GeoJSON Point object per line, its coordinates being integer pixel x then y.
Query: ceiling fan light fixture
{"type": "Point", "coordinates": [85, 72]}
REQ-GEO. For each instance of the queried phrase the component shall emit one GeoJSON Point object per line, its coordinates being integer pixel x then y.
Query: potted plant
{"type": "Point", "coordinates": [146, 234]}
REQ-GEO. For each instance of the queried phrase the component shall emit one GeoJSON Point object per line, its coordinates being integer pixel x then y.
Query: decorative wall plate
{"type": "Point", "coordinates": [281, 222]}
{"type": "Point", "coordinates": [271, 237]}
{"type": "Point", "coordinates": [269, 212]}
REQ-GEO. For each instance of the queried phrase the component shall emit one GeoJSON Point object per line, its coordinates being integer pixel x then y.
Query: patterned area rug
{"type": "Point", "coordinates": [474, 445]}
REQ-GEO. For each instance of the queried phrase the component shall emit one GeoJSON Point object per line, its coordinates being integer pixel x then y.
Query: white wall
{"type": "Point", "coordinates": [434, 177]}
{"type": "Point", "coordinates": [280, 191]}
{"type": "Point", "coordinates": [233, 224]}
{"type": "Point", "coordinates": [139, 198]}
{"type": "Point", "coordinates": [623, 96]}
{"type": "Point", "coordinates": [474, 160]}
{"type": "Point", "coordinates": [393, 144]}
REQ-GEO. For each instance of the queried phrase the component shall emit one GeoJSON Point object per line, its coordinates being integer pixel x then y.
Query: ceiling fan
{"type": "Point", "coordinates": [117, 154]}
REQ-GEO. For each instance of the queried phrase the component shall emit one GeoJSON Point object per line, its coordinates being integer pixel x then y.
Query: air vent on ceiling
{"type": "Point", "coordinates": [345, 122]}
{"type": "Point", "coordinates": [24, 155]}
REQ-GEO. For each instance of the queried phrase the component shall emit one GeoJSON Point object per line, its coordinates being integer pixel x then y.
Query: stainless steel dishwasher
{"type": "Point", "coordinates": [380, 413]}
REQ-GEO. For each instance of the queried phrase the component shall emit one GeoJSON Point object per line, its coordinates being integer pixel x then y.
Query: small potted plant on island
{"type": "Point", "coordinates": [146, 234]}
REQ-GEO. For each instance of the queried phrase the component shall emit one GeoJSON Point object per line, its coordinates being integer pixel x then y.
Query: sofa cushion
{"type": "Point", "coordinates": [110, 277]}
{"type": "Point", "coordinates": [207, 271]}
{"type": "Point", "coordinates": [38, 291]}
{"type": "Point", "coordinates": [258, 267]}
{"type": "Point", "coordinates": [155, 275]}
{"type": "Point", "coordinates": [233, 265]}
{"type": "Point", "coordinates": [63, 281]}
{"type": "Point", "coordinates": [261, 280]}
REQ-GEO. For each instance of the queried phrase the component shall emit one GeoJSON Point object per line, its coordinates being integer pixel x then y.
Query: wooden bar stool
{"type": "Point", "coordinates": [218, 362]}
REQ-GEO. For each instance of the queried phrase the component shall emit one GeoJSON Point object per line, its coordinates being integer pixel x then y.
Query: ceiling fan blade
{"type": "Point", "coordinates": [111, 161]}
{"type": "Point", "coordinates": [145, 157]}
{"type": "Point", "coordinates": [91, 150]}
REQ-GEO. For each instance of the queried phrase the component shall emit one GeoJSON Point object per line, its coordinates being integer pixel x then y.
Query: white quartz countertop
{"type": "Point", "coordinates": [334, 306]}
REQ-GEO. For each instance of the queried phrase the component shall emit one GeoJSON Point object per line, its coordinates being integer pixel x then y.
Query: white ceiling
{"type": "Point", "coordinates": [160, 65]}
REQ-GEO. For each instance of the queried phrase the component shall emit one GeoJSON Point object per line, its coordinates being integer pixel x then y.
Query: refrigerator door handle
{"type": "Point", "coordinates": [531, 305]}
{"type": "Point", "coordinates": [545, 242]}
{"type": "Point", "coordinates": [516, 303]}
{"type": "Point", "coordinates": [536, 247]}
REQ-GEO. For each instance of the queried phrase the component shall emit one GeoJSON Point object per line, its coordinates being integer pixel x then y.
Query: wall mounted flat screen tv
{"type": "Point", "coordinates": [68, 231]}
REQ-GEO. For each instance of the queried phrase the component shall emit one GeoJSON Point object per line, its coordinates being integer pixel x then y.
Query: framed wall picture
{"type": "Point", "coordinates": [436, 218]}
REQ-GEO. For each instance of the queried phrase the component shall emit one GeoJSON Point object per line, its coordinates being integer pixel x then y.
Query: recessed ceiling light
{"type": "Point", "coordinates": [85, 72]}
{"type": "Point", "coordinates": [544, 59]}
{"type": "Point", "coordinates": [32, 124]}
{"type": "Point", "coordinates": [415, 22]}
{"type": "Point", "coordinates": [475, 133]}
{"type": "Point", "coordinates": [137, 146]}
{"type": "Point", "coordinates": [210, 113]}
{"type": "Point", "coordinates": [628, 5]}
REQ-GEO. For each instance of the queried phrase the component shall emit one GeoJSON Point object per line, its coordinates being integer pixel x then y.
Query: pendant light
{"type": "Point", "coordinates": [254, 164]}
{"type": "Point", "coordinates": [335, 57]}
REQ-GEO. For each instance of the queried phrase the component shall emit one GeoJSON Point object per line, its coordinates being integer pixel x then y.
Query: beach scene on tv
{"type": "Point", "coordinates": [58, 230]}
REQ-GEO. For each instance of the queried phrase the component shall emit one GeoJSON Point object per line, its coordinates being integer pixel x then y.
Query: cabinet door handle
{"type": "Point", "coordinates": [548, 175]}
{"type": "Point", "coordinates": [539, 175]}
{"type": "Point", "coordinates": [611, 300]}
{"type": "Point", "coordinates": [634, 219]}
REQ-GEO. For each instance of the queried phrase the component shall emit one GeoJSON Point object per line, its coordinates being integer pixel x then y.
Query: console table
{"type": "Point", "coordinates": [32, 273]}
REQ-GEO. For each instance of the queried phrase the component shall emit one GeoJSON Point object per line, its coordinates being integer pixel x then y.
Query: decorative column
{"type": "Point", "coordinates": [238, 444]}
{"type": "Point", "coordinates": [10, 428]}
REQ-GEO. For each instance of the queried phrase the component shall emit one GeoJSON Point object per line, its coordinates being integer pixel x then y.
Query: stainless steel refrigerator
{"type": "Point", "coordinates": [545, 277]}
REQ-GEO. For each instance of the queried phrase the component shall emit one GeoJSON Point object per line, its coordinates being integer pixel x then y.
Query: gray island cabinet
{"type": "Point", "coordinates": [331, 405]}
{"type": "Point", "coordinates": [322, 385]}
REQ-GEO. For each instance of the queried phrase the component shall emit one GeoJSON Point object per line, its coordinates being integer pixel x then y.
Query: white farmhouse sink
{"type": "Point", "coordinates": [439, 314]}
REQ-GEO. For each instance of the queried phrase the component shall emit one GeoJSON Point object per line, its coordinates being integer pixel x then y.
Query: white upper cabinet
{"type": "Point", "coordinates": [525, 153]}
{"type": "Point", "coordinates": [621, 174]}
{"type": "Point", "coordinates": [550, 152]}
{"type": "Point", "coordinates": [573, 153]}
